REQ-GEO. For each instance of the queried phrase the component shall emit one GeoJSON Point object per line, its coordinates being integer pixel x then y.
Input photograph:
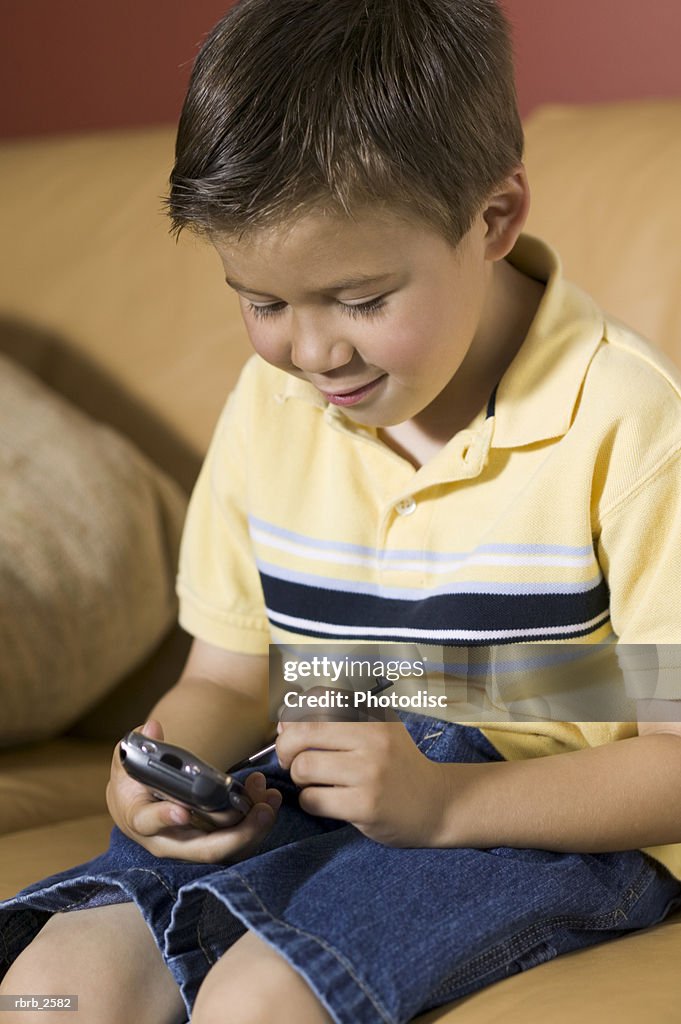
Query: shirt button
{"type": "Point", "coordinates": [405, 507]}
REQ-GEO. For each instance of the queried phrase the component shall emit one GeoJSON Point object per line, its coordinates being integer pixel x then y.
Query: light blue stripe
{"type": "Point", "coordinates": [417, 594]}
{"type": "Point", "coordinates": [565, 654]}
{"type": "Point", "coordinates": [426, 556]}
{"type": "Point", "coordinates": [301, 538]}
{"type": "Point", "coordinates": [536, 549]}
{"type": "Point", "coordinates": [560, 653]}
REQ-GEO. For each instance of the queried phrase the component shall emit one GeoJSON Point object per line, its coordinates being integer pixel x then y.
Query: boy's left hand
{"type": "Point", "coordinates": [370, 774]}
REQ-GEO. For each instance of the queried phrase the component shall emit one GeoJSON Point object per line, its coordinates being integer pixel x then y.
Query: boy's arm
{"type": "Point", "coordinates": [619, 796]}
{"type": "Point", "coordinates": [218, 708]}
{"type": "Point", "coordinates": [626, 794]}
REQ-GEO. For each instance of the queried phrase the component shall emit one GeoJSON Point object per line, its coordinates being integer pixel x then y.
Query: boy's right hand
{"type": "Point", "coordinates": [166, 829]}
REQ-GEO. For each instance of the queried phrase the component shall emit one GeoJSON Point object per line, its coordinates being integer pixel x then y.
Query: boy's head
{"type": "Point", "coordinates": [356, 164]}
{"type": "Point", "coordinates": [336, 104]}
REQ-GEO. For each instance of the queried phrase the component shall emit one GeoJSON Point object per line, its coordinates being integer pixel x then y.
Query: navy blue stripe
{"type": "Point", "coordinates": [488, 612]}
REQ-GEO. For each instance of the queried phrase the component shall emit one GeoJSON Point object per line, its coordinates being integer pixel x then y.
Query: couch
{"type": "Point", "coordinates": [142, 336]}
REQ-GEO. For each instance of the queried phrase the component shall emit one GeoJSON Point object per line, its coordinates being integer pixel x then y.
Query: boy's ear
{"type": "Point", "coordinates": [505, 213]}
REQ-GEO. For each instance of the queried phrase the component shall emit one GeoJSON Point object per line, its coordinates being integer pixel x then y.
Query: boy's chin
{"type": "Point", "coordinates": [377, 417]}
{"type": "Point", "coordinates": [370, 418]}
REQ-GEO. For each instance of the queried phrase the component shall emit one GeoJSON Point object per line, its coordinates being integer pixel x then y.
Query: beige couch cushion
{"type": "Point", "coordinates": [604, 182]}
{"type": "Point", "coordinates": [35, 853]}
{"type": "Point", "coordinates": [89, 268]}
{"type": "Point", "coordinates": [89, 532]}
{"type": "Point", "coordinates": [44, 783]}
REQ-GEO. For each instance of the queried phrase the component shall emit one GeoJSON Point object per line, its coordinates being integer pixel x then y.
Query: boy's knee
{"type": "Point", "coordinates": [252, 983]}
{"type": "Point", "coordinates": [39, 969]}
{"type": "Point", "coordinates": [104, 955]}
{"type": "Point", "coordinates": [239, 994]}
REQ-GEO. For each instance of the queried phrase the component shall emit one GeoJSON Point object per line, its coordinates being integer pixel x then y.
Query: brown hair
{"type": "Point", "coordinates": [337, 103]}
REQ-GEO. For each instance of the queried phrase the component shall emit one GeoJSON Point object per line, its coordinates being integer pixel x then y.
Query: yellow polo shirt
{"type": "Point", "coordinates": [554, 517]}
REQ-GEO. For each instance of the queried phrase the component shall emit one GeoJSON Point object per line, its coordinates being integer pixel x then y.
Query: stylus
{"type": "Point", "coordinates": [380, 686]}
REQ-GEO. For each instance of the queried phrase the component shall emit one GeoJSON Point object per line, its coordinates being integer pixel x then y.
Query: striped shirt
{"type": "Point", "coordinates": [554, 516]}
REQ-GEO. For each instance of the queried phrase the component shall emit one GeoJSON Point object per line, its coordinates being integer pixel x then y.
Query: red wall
{"type": "Point", "coordinates": [77, 65]}
{"type": "Point", "coordinates": [590, 50]}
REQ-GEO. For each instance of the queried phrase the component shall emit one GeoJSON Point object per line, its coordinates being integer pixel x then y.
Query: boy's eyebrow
{"type": "Point", "coordinates": [349, 282]}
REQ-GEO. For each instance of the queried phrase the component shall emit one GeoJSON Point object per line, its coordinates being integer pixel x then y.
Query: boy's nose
{"type": "Point", "coordinates": [314, 351]}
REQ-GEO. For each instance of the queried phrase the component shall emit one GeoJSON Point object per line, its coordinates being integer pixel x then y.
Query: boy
{"type": "Point", "coordinates": [391, 466]}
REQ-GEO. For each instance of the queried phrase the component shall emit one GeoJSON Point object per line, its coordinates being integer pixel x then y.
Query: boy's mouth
{"type": "Point", "coordinates": [353, 396]}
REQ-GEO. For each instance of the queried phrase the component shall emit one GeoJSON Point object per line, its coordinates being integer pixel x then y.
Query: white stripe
{"type": "Point", "coordinates": [428, 634]}
{"type": "Point", "coordinates": [417, 565]}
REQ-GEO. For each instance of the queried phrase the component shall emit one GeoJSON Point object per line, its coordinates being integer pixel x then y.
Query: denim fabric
{"type": "Point", "coordinates": [379, 933]}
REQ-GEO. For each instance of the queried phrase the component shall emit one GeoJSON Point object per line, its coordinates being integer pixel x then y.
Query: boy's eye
{"type": "Point", "coordinates": [271, 309]}
{"type": "Point", "coordinates": [361, 309]}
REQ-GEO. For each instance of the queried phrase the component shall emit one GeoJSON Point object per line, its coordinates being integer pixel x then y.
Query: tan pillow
{"type": "Point", "coordinates": [89, 533]}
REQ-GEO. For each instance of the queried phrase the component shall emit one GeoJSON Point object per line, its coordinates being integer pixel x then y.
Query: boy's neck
{"type": "Point", "coordinates": [512, 303]}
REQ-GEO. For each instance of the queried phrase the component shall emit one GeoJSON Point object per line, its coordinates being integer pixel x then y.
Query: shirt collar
{"type": "Point", "coordinates": [536, 397]}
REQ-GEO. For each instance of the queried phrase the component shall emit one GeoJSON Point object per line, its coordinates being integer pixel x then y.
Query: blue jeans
{"type": "Point", "coordinates": [380, 934]}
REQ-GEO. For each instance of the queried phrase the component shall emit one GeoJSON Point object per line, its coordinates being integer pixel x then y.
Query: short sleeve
{"type": "Point", "coordinates": [218, 584]}
{"type": "Point", "coordinates": [640, 551]}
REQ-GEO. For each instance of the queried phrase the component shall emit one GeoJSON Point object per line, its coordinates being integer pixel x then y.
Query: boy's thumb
{"type": "Point", "coordinates": [153, 729]}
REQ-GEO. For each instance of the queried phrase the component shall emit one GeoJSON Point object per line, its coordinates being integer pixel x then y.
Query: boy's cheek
{"type": "Point", "coordinates": [262, 336]}
{"type": "Point", "coordinates": [275, 355]}
{"type": "Point", "coordinates": [262, 343]}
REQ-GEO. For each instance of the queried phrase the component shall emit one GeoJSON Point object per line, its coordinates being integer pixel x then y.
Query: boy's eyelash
{"type": "Point", "coordinates": [264, 311]}
{"type": "Point", "coordinates": [363, 309]}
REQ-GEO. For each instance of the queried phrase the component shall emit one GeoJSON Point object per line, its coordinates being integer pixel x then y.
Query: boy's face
{"type": "Point", "coordinates": [377, 313]}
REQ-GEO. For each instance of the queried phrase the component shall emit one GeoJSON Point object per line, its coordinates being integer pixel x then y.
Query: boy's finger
{"type": "Point", "coordinates": [295, 737]}
{"type": "Point", "coordinates": [255, 785]}
{"type": "Point", "coordinates": [236, 843]}
{"type": "Point", "coordinates": [152, 728]}
{"type": "Point", "coordinates": [223, 845]}
{"type": "Point", "coordinates": [274, 798]}
{"type": "Point", "coordinates": [147, 816]}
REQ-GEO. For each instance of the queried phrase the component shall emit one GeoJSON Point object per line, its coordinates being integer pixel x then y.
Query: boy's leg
{"type": "Point", "coordinates": [108, 958]}
{"type": "Point", "coordinates": [252, 983]}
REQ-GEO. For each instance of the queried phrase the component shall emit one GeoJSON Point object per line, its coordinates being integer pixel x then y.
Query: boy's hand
{"type": "Point", "coordinates": [166, 829]}
{"type": "Point", "coordinates": [370, 774]}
